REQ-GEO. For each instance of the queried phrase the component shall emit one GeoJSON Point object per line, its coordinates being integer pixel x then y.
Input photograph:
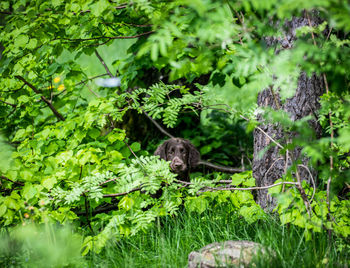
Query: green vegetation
{"type": "Point", "coordinates": [168, 243]}
{"type": "Point", "coordinates": [76, 153]}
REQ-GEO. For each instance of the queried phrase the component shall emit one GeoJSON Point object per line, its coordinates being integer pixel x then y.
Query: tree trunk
{"type": "Point", "coordinates": [272, 165]}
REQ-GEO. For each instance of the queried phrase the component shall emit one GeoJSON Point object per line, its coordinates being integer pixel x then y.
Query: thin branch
{"type": "Point", "coordinates": [302, 193]}
{"type": "Point", "coordinates": [312, 180]}
{"type": "Point", "coordinates": [133, 36]}
{"type": "Point", "coordinates": [121, 6]}
{"type": "Point", "coordinates": [91, 78]}
{"type": "Point", "coordinates": [15, 182]}
{"type": "Point", "coordinates": [53, 109]}
{"type": "Point", "coordinates": [329, 181]}
{"type": "Point", "coordinates": [230, 170]}
{"type": "Point", "coordinates": [121, 194]}
{"type": "Point", "coordinates": [209, 189]}
{"type": "Point", "coordinates": [329, 33]}
{"type": "Point", "coordinates": [109, 38]}
{"type": "Point", "coordinates": [272, 165]}
{"type": "Point", "coordinates": [157, 125]}
{"type": "Point", "coordinates": [93, 92]}
{"type": "Point", "coordinates": [87, 210]}
{"type": "Point", "coordinates": [103, 63]}
{"type": "Point", "coordinates": [102, 183]}
{"type": "Point", "coordinates": [275, 98]}
{"type": "Point", "coordinates": [11, 104]}
{"type": "Point", "coordinates": [267, 135]}
{"type": "Point", "coordinates": [241, 116]}
{"type": "Point", "coordinates": [312, 33]}
{"type": "Point", "coordinates": [132, 152]}
{"type": "Point", "coordinates": [99, 210]}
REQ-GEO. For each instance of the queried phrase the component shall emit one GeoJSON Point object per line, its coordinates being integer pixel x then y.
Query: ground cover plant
{"type": "Point", "coordinates": [89, 89]}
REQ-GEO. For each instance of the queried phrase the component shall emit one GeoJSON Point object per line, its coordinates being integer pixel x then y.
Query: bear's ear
{"type": "Point", "coordinates": [193, 154]}
{"type": "Point", "coordinates": [162, 149]}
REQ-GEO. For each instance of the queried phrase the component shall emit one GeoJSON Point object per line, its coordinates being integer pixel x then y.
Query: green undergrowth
{"type": "Point", "coordinates": [170, 241]}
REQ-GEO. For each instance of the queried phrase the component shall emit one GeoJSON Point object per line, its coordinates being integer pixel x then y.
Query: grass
{"type": "Point", "coordinates": [170, 241]}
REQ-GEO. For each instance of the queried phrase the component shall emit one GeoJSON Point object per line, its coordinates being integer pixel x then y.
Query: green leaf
{"type": "Point", "coordinates": [237, 179]}
{"type": "Point", "coordinates": [249, 182]}
{"type": "Point", "coordinates": [19, 135]}
{"type": "Point", "coordinates": [276, 189]}
{"type": "Point", "coordinates": [114, 136]}
{"type": "Point", "coordinates": [116, 155]}
{"type": "Point", "coordinates": [197, 204]}
{"type": "Point", "coordinates": [21, 40]}
{"type": "Point", "coordinates": [88, 245]}
{"type": "Point", "coordinates": [98, 8]}
{"type": "Point", "coordinates": [23, 99]}
{"type": "Point", "coordinates": [94, 133]}
{"type": "Point", "coordinates": [56, 3]}
{"type": "Point", "coordinates": [135, 146]}
{"type": "Point", "coordinates": [126, 203]}
{"type": "Point", "coordinates": [11, 203]}
{"type": "Point", "coordinates": [27, 175]}
{"type": "Point", "coordinates": [3, 210]}
{"type": "Point", "coordinates": [48, 183]}
{"type": "Point", "coordinates": [32, 43]}
{"type": "Point", "coordinates": [29, 191]}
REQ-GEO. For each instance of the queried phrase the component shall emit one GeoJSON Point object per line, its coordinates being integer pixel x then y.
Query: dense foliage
{"type": "Point", "coordinates": [77, 150]}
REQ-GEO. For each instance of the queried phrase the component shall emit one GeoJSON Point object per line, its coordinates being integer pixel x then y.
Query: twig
{"type": "Point", "coordinates": [91, 78]}
{"type": "Point", "coordinates": [121, 6]}
{"type": "Point", "coordinates": [156, 124]}
{"type": "Point", "coordinates": [302, 193]}
{"type": "Point", "coordinates": [93, 92]}
{"type": "Point", "coordinates": [11, 104]}
{"type": "Point", "coordinates": [103, 63]}
{"type": "Point", "coordinates": [274, 98]}
{"type": "Point", "coordinates": [230, 170]}
{"type": "Point", "coordinates": [272, 165]}
{"type": "Point", "coordinates": [245, 189]}
{"type": "Point", "coordinates": [109, 38]}
{"type": "Point", "coordinates": [87, 210]}
{"type": "Point", "coordinates": [131, 150]}
{"type": "Point", "coordinates": [329, 33]}
{"type": "Point", "coordinates": [131, 37]}
{"type": "Point", "coordinates": [285, 167]}
{"type": "Point", "coordinates": [102, 183]}
{"type": "Point", "coordinates": [267, 135]}
{"type": "Point", "coordinates": [312, 180]}
{"type": "Point", "coordinates": [53, 109]}
{"type": "Point", "coordinates": [241, 116]}
{"type": "Point", "coordinates": [15, 182]}
{"type": "Point", "coordinates": [331, 126]}
{"type": "Point", "coordinates": [121, 194]}
{"type": "Point", "coordinates": [329, 181]}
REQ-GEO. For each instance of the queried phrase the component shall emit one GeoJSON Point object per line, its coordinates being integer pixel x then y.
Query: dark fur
{"type": "Point", "coordinates": [183, 156]}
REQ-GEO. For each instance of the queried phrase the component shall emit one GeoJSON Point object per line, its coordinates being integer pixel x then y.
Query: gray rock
{"type": "Point", "coordinates": [226, 254]}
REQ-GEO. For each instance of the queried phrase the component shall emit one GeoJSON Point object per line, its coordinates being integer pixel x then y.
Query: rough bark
{"type": "Point", "coordinates": [272, 165]}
